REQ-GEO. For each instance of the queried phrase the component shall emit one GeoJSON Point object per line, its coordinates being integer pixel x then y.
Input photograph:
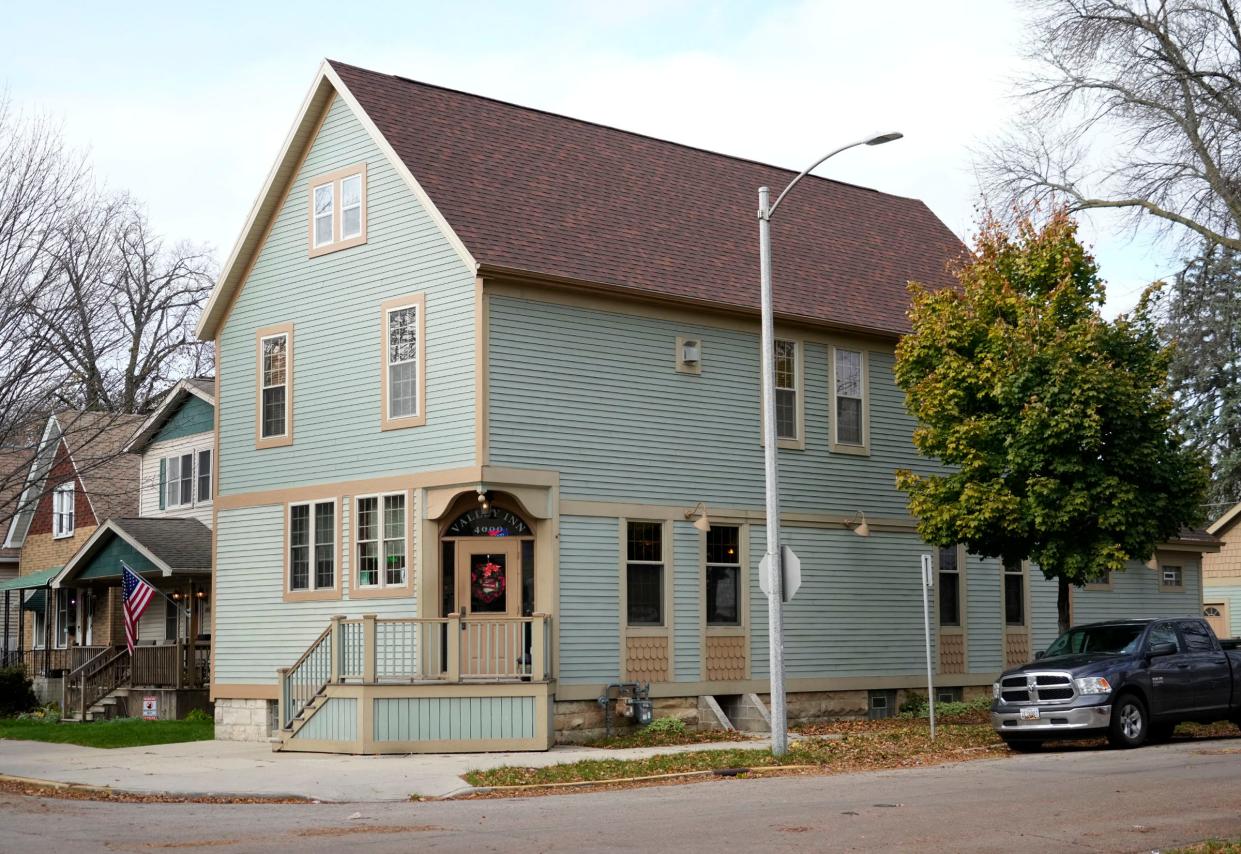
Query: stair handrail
{"type": "Point", "coordinates": [74, 678]}
{"type": "Point", "coordinates": [291, 704]}
{"type": "Point", "coordinates": [96, 682]}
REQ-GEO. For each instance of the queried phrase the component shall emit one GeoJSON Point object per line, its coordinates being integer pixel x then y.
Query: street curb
{"type": "Point", "coordinates": [202, 797]}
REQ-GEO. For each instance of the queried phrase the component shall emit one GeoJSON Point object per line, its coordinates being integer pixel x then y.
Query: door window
{"type": "Point", "coordinates": [1164, 633]}
{"type": "Point", "coordinates": [1197, 639]}
{"type": "Point", "coordinates": [488, 583]}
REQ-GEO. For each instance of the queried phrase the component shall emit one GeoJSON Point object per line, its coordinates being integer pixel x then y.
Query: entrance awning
{"type": "Point", "coordinates": [37, 601]}
{"type": "Point", "coordinates": [42, 578]}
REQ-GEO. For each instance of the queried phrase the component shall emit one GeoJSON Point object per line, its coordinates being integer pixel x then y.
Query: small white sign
{"type": "Point", "coordinates": [790, 564]}
{"type": "Point", "coordinates": [150, 707]}
{"type": "Point", "coordinates": [928, 576]}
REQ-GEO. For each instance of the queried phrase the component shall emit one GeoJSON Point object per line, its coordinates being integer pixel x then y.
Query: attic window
{"type": "Point", "coordinates": [337, 210]}
{"type": "Point", "coordinates": [62, 510]}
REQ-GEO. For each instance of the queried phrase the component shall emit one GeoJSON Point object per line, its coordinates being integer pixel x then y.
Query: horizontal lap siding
{"type": "Point", "coordinates": [984, 613]}
{"type": "Point", "coordinates": [589, 599]}
{"type": "Point", "coordinates": [1136, 593]}
{"type": "Point", "coordinates": [1044, 622]}
{"type": "Point", "coordinates": [334, 302]}
{"type": "Point", "coordinates": [149, 482]}
{"type": "Point", "coordinates": [595, 395]}
{"type": "Point", "coordinates": [859, 609]}
{"type": "Point", "coordinates": [256, 631]}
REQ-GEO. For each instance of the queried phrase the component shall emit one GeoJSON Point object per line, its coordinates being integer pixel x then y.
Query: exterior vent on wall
{"type": "Point", "coordinates": [689, 355]}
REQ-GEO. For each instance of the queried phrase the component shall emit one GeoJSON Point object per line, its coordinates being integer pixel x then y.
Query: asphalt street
{"type": "Point", "coordinates": [1068, 800]}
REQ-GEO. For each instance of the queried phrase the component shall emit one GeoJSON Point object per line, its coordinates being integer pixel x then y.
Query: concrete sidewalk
{"type": "Point", "coordinates": [244, 769]}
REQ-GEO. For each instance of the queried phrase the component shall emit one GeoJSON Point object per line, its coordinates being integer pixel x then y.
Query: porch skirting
{"type": "Point", "coordinates": [428, 718]}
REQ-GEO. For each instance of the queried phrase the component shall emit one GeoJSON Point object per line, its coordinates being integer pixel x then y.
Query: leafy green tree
{"type": "Point", "coordinates": [1201, 317]}
{"type": "Point", "coordinates": [1053, 424]}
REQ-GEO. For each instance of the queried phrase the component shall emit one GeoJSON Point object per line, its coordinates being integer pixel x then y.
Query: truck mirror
{"type": "Point", "coordinates": [1039, 654]}
{"type": "Point", "coordinates": [1157, 649]}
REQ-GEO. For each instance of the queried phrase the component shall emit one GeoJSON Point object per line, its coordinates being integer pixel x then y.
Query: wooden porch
{"type": "Point", "coordinates": [179, 666]}
{"type": "Point", "coordinates": [450, 684]}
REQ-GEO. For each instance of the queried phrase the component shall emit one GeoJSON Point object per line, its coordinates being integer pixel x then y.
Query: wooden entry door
{"type": "Point", "coordinates": [488, 591]}
{"type": "Point", "coordinates": [1216, 614]}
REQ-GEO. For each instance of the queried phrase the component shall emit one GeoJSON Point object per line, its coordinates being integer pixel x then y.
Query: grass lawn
{"type": "Point", "coordinates": [1211, 846]}
{"type": "Point", "coordinates": [892, 744]}
{"type": "Point", "coordinates": [123, 732]}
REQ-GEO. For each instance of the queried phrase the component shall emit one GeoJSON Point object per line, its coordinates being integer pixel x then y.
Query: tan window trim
{"type": "Point", "coordinates": [799, 370]}
{"type": "Point", "coordinates": [383, 590]}
{"type": "Point", "coordinates": [334, 178]}
{"type": "Point", "coordinates": [862, 450]}
{"type": "Point", "coordinates": [1101, 586]}
{"type": "Point", "coordinates": [418, 301]}
{"type": "Point", "coordinates": [1024, 626]}
{"type": "Point", "coordinates": [260, 442]}
{"type": "Point", "coordinates": [321, 594]}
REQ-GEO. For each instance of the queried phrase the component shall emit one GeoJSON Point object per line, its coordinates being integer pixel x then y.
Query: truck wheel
{"type": "Point", "coordinates": [1023, 745]}
{"type": "Point", "coordinates": [1130, 726]}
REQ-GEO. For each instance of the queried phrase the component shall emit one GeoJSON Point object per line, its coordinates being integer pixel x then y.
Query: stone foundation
{"type": "Point", "coordinates": [244, 720]}
{"type": "Point", "coordinates": [581, 721]}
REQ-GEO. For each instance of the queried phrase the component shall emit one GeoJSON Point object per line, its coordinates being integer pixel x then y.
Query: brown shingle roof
{"type": "Point", "coordinates": [539, 193]}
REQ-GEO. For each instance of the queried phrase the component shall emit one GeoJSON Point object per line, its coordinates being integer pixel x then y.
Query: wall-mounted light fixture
{"type": "Point", "coordinates": [484, 499]}
{"type": "Point", "coordinates": [858, 524]}
{"type": "Point", "coordinates": [702, 523]}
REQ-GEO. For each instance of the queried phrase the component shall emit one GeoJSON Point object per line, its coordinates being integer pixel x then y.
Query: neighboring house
{"type": "Point", "coordinates": [1221, 576]}
{"type": "Point", "coordinates": [168, 542]}
{"type": "Point", "coordinates": [481, 368]}
{"type": "Point", "coordinates": [14, 464]}
{"type": "Point", "coordinates": [79, 477]}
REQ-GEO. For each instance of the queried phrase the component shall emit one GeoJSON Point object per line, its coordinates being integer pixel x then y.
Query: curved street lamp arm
{"type": "Point", "coordinates": [812, 167]}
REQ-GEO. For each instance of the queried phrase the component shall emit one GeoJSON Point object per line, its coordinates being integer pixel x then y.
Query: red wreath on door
{"type": "Point", "coordinates": [488, 582]}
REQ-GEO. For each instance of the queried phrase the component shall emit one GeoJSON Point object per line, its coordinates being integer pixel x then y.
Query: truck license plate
{"type": "Point", "coordinates": [1029, 714]}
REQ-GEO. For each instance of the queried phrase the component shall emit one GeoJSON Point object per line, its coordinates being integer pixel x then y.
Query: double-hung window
{"type": "Point", "coordinates": [204, 476]}
{"type": "Point", "coordinates": [724, 576]}
{"type": "Point", "coordinates": [273, 407]}
{"type": "Point", "coordinates": [312, 546]}
{"type": "Point", "coordinates": [404, 370]}
{"type": "Point", "coordinates": [381, 546]}
{"type": "Point", "coordinates": [338, 210]}
{"type": "Point", "coordinates": [949, 587]}
{"type": "Point", "coordinates": [63, 510]}
{"type": "Point", "coordinates": [786, 390]}
{"type": "Point", "coordinates": [644, 573]}
{"type": "Point", "coordinates": [850, 400]}
{"type": "Point", "coordinates": [1014, 594]}
{"type": "Point", "coordinates": [178, 488]}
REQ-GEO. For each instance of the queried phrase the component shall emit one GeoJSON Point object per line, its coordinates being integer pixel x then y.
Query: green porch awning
{"type": "Point", "coordinates": [42, 578]}
{"type": "Point", "coordinates": [36, 602]}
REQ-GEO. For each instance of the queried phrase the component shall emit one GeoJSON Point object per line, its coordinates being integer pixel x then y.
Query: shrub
{"type": "Point", "coordinates": [198, 716]}
{"type": "Point", "coordinates": [915, 705]}
{"type": "Point", "coordinates": [667, 726]}
{"type": "Point", "coordinates": [16, 692]}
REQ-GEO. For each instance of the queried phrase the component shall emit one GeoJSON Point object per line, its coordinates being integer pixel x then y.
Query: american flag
{"type": "Point", "coordinates": [138, 594]}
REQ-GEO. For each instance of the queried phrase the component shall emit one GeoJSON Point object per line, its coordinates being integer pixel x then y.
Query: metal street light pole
{"type": "Point", "coordinates": [775, 583]}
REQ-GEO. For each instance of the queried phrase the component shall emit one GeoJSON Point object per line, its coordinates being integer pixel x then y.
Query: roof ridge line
{"type": "Point", "coordinates": [614, 128]}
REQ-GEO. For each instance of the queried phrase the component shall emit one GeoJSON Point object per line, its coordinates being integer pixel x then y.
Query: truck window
{"type": "Point", "coordinates": [1104, 640]}
{"type": "Point", "coordinates": [1164, 633]}
{"type": "Point", "coordinates": [1196, 637]}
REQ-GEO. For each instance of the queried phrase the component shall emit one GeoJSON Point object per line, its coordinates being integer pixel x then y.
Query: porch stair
{"type": "Point", "coordinates": [104, 709]}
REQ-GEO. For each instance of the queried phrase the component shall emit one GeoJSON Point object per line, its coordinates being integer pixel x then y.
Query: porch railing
{"type": "Point", "coordinates": [41, 662]}
{"type": "Point", "coordinates": [94, 679]}
{"type": "Point", "coordinates": [436, 650]}
{"type": "Point", "coordinates": [180, 665]}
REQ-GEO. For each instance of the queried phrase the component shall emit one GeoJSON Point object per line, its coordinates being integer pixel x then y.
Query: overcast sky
{"type": "Point", "coordinates": [187, 108]}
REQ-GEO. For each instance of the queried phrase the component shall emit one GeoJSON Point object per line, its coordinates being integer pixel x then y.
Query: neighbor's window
{"type": "Point", "coordinates": [62, 510]}
{"type": "Point", "coordinates": [312, 545]}
{"type": "Point", "coordinates": [723, 576]}
{"type": "Point", "coordinates": [404, 328]}
{"type": "Point", "coordinates": [338, 210]}
{"type": "Point", "coordinates": [849, 398]}
{"type": "Point", "coordinates": [644, 574]}
{"type": "Point", "coordinates": [172, 617]}
{"type": "Point", "coordinates": [66, 617]}
{"type": "Point", "coordinates": [1014, 594]}
{"type": "Point", "coordinates": [204, 476]}
{"type": "Point", "coordinates": [949, 587]}
{"type": "Point", "coordinates": [1172, 576]}
{"type": "Point", "coordinates": [179, 486]}
{"type": "Point", "coordinates": [786, 389]}
{"type": "Point", "coordinates": [381, 540]}
{"type": "Point", "coordinates": [275, 377]}
{"type": "Point", "coordinates": [323, 201]}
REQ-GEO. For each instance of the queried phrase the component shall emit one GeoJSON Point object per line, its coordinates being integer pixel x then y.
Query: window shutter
{"type": "Point", "coordinates": [163, 481]}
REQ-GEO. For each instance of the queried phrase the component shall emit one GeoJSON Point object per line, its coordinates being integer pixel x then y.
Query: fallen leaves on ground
{"type": "Point", "coordinates": [81, 793]}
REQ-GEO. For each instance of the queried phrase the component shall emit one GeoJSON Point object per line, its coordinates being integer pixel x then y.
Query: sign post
{"type": "Point", "coordinates": [928, 583]}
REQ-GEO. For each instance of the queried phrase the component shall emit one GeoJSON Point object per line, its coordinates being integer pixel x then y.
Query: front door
{"type": "Point", "coordinates": [1216, 614]}
{"type": "Point", "coordinates": [488, 590]}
